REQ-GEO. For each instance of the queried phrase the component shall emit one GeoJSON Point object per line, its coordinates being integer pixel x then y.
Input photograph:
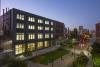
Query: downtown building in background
{"type": "Point", "coordinates": [98, 32]}
{"type": "Point", "coordinates": [27, 32]}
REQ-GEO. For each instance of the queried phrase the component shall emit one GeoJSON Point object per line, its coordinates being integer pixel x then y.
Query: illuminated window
{"type": "Point", "coordinates": [46, 35]}
{"type": "Point", "coordinates": [40, 36]}
{"type": "Point", "coordinates": [31, 36]}
{"type": "Point", "coordinates": [51, 35]}
{"type": "Point", "coordinates": [20, 25]}
{"type": "Point", "coordinates": [20, 36]}
{"type": "Point", "coordinates": [19, 16]}
{"type": "Point", "coordinates": [40, 45]}
{"type": "Point", "coordinates": [32, 19]}
{"type": "Point", "coordinates": [40, 21]}
{"type": "Point", "coordinates": [40, 28]}
{"type": "Point", "coordinates": [46, 22]}
{"type": "Point", "coordinates": [19, 49]}
{"type": "Point", "coordinates": [31, 27]}
{"type": "Point", "coordinates": [51, 23]}
{"type": "Point", "coordinates": [46, 43]}
{"type": "Point", "coordinates": [22, 17]}
{"type": "Point", "coordinates": [46, 28]}
{"type": "Point", "coordinates": [31, 46]}
{"type": "Point", "coordinates": [51, 29]}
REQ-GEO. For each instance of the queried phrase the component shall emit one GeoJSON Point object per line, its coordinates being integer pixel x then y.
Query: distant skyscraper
{"type": "Point", "coordinates": [98, 32]}
{"type": "Point", "coordinates": [80, 30]}
{"type": "Point", "coordinates": [75, 33]}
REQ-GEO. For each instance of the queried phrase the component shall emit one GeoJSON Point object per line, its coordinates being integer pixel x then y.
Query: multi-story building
{"type": "Point", "coordinates": [80, 30]}
{"type": "Point", "coordinates": [59, 30]}
{"type": "Point", "coordinates": [98, 32]}
{"type": "Point", "coordinates": [29, 32]}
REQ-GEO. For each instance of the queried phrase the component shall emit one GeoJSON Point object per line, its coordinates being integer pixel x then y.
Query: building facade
{"type": "Point", "coordinates": [81, 30]}
{"type": "Point", "coordinates": [28, 32]}
{"type": "Point", "coordinates": [98, 32]}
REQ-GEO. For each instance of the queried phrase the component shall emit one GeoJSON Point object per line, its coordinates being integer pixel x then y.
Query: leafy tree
{"type": "Point", "coordinates": [12, 62]}
{"type": "Point", "coordinates": [7, 59]}
{"type": "Point", "coordinates": [17, 63]}
{"type": "Point", "coordinates": [96, 48]}
{"type": "Point", "coordinates": [81, 61]}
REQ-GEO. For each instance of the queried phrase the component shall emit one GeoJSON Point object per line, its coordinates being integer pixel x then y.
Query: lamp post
{"type": "Point", "coordinates": [74, 43]}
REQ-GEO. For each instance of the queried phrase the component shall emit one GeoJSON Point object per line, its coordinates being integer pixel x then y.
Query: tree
{"type": "Point", "coordinates": [12, 62]}
{"type": "Point", "coordinates": [96, 48]}
{"type": "Point", "coordinates": [17, 63]}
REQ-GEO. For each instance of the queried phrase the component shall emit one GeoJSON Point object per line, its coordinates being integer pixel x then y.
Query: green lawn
{"type": "Point", "coordinates": [50, 57]}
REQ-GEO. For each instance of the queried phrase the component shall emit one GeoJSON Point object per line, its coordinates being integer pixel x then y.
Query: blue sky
{"type": "Point", "coordinates": [71, 12]}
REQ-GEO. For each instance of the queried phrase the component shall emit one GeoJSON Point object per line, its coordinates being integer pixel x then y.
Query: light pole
{"type": "Point", "coordinates": [74, 43]}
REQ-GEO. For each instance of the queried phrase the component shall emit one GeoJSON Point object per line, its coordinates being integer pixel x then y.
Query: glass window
{"type": "Point", "coordinates": [40, 28]}
{"type": "Point", "coordinates": [51, 35]}
{"type": "Point", "coordinates": [46, 22]}
{"type": "Point", "coordinates": [40, 36]}
{"type": "Point", "coordinates": [20, 16]}
{"type": "Point", "coordinates": [20, 25]}
{"type": "Point", "coordinates": [46, 28]}
{"type": "Point", "coordinates": [32, 19]}
{"type": "Point", "coordinates": [51, 29]}
{"type": "Point", "coordinates": [31, 36]}
{"type": "Point", "coordinates": [51, 23]}
{"type": "Point", "coordinates": [31, 46]}
{"type": "Point", "coordinates": [46, 35]}
{"type": "Point", "coordinates": [40, 21]}
{"type": "Point", "coordinates": [19, 36]}
{"type": "Point", "coordinates": [46, 43]}
{"type": "Point", "coordinates": [19, 49]}
{"type": "Point", "coordinates": [31, 27]}
{"type": "Point", "coordinates": [40, 45]}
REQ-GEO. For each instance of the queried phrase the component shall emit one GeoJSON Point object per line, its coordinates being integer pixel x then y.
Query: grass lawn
{"type": "Point", "coordinates": [50, 57]}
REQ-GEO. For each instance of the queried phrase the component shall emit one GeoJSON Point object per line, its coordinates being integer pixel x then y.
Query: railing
{"type": "Point", "coordinates": [6, 52]}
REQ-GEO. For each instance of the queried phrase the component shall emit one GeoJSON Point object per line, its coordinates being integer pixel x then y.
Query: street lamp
{"type": "Point", "coordinates": [74, 43]}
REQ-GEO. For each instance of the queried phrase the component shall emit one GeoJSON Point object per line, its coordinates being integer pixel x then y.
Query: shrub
{"type": "Point", "coordinates": [81, 61]}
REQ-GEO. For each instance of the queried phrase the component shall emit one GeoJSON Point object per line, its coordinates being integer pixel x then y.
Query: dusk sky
{"type": "Point", "coordinates": [72, 13]}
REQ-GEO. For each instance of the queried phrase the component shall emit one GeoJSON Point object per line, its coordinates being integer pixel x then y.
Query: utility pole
{"type": "Point", "coordinates": [0, 7]}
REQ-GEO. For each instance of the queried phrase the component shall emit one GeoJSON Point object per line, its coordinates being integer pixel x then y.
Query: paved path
{"type": "Point", "coordinates": [90, 63]}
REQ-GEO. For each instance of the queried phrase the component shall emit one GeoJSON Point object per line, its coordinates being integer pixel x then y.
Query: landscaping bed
{"type": "Point", "coordinates": [50, 57]}
{"type": "Point", "coordinates": [96, 60]}
{"type": "Point", "coordinates": [81, 61]}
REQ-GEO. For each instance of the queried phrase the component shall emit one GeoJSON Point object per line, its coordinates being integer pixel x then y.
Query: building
{"type": "Point", "coordinates": [80, 30]}
{"type": "Point", "coordinates": [59, 30]}
{"type": "Point", "coordinates": [98, 32]}
{"type": "Point", "coordinates": [26, 32]}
